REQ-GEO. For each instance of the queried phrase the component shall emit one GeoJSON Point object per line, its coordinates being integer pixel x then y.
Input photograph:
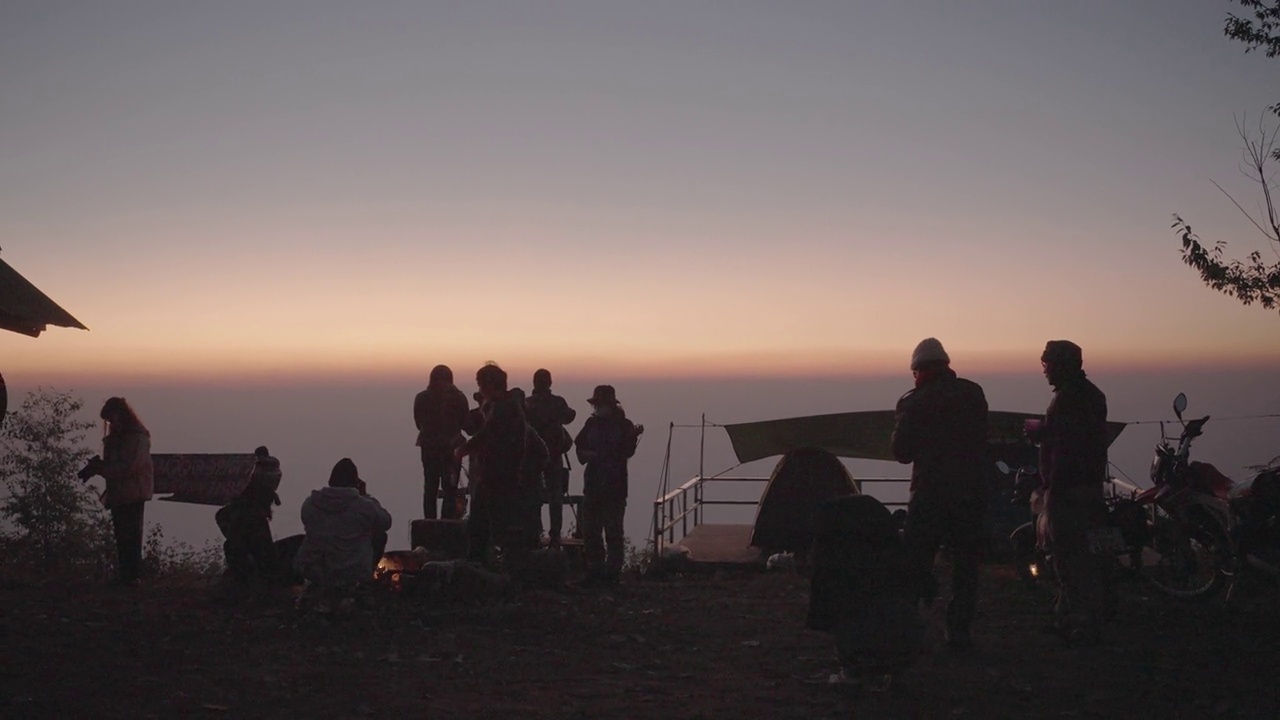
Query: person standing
{"type": "Point", "coordinates": [439, 413]}
{"type": "Point", "coordinates": [125, 464]}
{"type": "Point", "coordinates": [941, 429]}
{"type": "Point", "coordinates": [497, 515]}
{"type": "Point", "coordinates": [605, 444]}
{"type": "Point", "coordinates": [548, 413]}
{"type": "Point", "coordinates": [1073, 470]}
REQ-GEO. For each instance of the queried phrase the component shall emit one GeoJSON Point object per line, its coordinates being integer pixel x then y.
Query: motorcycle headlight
{"type": "Point", "coordinates": [1155, 467]}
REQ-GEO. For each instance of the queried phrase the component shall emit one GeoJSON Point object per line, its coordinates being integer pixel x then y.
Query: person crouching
{"type": "Point", "coordinates": [346, 534]}
{"type": "Point", "coordinates": [245, 522]}
{"type": "Point", "coordinates": [861, 593]}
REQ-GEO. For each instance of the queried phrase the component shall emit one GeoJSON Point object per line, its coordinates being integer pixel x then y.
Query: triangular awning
{"type": "Point", "coordinates": [862, 435]}
{"type": "Point", "coordinates": [26, 310]}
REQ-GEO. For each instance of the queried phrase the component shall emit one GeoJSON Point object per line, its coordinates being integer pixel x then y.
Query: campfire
{"type": "Point", "coordinates": [393, 567]}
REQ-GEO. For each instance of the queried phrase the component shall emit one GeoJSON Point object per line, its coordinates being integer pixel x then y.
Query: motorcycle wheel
{"type": "Point", "coordinates": [1183, 561]}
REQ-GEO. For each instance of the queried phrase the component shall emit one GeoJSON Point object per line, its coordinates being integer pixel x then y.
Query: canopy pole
{"type": "Point", "coordinates": [702, 446]}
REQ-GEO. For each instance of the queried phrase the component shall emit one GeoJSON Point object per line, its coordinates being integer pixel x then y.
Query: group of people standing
{"type": "Point", "coordinates": [517, 447]}
{"type": "Point", "coordinates": [941, 429]}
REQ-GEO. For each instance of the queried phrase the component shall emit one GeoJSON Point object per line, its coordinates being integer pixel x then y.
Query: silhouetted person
{"type": "Point", "coordinates": [1073, 469]}
{"type": "Point", "coordinates": [548, 413]}
{"type": "Point", "coordinates": [941, 429]}
{"type": "Point", "coordinates": [531, 487]}
{"type": "Point", "coordinates": [125, 464]}
{"type": "Point", "coordinates": [605, 444]}
{"type": "Point", "coordinates": [245, 523]}
{"type": "Point", "coordinates": [346, 535]}
{"type": "Point", "coordinates": [497, 514]}
{"type": "Point", "coordinates": [860, 590]}
{"type": "Point", "coordinates": [439, 413]}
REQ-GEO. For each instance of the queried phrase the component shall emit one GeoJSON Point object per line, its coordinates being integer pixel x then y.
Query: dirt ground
{"type": "Point", "coordinates": [730, 645]}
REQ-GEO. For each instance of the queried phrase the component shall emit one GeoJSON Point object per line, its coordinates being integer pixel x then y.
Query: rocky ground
{"type": "Point", "coordinates": [729, 645]}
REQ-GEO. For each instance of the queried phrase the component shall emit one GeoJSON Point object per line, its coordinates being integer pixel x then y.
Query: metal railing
{"type": "Point", "coordinates": [683, 508]}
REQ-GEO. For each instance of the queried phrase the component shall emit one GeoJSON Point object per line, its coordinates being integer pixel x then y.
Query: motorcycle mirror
{"type": "Point", "coordinates": [1003, 467]}
{"type": "Point", "coordinates": [1180, 404]}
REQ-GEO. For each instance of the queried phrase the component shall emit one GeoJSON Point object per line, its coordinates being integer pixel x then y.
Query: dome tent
{"type": "Point", "coordinates": [800, 482]}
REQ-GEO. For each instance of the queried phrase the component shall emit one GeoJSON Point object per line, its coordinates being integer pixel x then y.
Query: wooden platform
{"type": "Point", "coordinates": [721, 545]}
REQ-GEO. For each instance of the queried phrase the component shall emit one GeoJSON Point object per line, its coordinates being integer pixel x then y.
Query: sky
{"type": "Point", "coordinates": [269, 191]}
{"type": "Point", "coordinates": [276, 217]}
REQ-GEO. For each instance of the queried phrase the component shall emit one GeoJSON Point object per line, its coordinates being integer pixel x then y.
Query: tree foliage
{"type": "Point", "coordinates": [1252, 279]}
{"type": "Point", "coordinates": [55, 521]}
{"type": "Point", "coordinates": [1260, 29]}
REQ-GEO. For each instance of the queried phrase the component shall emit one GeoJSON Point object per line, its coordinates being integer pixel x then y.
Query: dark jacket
{"type": "Point", "coordinates": [1073, 441]}
{"type": "Point", "coordinates": [439, 413]}
{"type": "Point", "coordinates": [498, 445]}
{"type": "Point", "coordinates": [548, 414]}
{"type": "Point", "coordinates": [604, 445]}
{"type": "Point", "coordinates": [941, 429]}
{"type": "Point", "coordinates": [535, 460]}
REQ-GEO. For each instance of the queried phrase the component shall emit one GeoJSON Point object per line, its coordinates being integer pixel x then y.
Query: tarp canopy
{"type": "Point", "coordinates": [26, 310]}
{"type": "Point", "coordinates": [861, 435]}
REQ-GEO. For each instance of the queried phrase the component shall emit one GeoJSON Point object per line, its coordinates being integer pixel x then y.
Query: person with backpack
{"type": "Point", "coordinates": [548, 413]}
{"type": "Point", "coordinates": [605, 444]}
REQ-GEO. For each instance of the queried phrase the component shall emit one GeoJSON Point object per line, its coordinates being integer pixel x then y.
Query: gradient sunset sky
{"type": "Point", "coordinates": [249, 189]}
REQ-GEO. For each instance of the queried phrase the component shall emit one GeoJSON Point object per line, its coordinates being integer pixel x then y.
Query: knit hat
{"type": "Point", "coordinates": [1064, 354]}
{"type": "Point", "coordinates": [344, 474]}
{"type": "Point", "coordinates": [929, 351]}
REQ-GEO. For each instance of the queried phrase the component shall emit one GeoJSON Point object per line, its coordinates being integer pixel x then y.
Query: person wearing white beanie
{"type": "Point", "coordinates": [940, 428]}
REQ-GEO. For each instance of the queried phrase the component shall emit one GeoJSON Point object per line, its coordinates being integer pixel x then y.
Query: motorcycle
{"type": "Point", "coordinates": [1192, 552]}
{"type": "Point", "coordinates": [1122, 535]}
{"type": "Point", "coordinates": [1255, 537]}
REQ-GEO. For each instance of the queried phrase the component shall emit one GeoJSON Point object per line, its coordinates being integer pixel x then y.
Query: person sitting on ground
{"type": "Point", "coordinates": [245, 523]}
{"type": "Point", "coordinates": [346, 534]}
{"type": "Point", "coordinates": [860, 590]}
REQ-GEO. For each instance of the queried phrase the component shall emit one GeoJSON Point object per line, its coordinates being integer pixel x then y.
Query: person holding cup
{"type": "Point", "coordinates": [1073, 442]}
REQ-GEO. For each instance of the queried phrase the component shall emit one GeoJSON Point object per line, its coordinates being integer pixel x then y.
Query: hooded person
{"type": "Point", "coordinates": [245, 523]}
{"type": "Point", "coordinates": [439, 413]}
{"type": "Point", "coordinates": [940, 428]}
{"type": "Point", "coordinates": [346, 532]}
{"type": "Point", "coordinates": [1073, 443]}
{"type": "Point", "coordinates": [604, 445]}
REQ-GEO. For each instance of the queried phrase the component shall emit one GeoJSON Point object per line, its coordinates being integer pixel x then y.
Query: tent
{"type": "Point", "coordinates": [800, 482]}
